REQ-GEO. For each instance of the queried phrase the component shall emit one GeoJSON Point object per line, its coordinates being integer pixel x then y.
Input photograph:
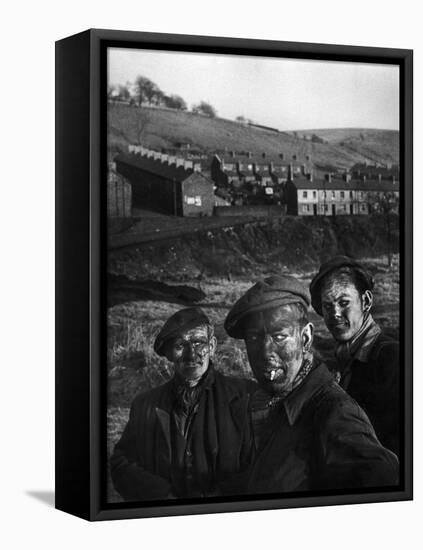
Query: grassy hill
{"type": "Point", "coordinates": [157, 128]}
{"type": "Point", "coordinates": [371, 143]}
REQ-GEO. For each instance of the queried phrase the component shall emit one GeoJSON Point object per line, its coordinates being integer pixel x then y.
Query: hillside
{"type": "Point", "coordinates": [216, 267]}
{"type": "Point", "coordinates": [365, 141]}
{"type": "Point", "coordinates": [157, 128]}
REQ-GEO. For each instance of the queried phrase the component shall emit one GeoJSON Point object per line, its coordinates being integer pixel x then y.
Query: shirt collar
{"type": "Point", "coordinates": [360, 345]}
{"type": "Point", "coordinates": [298, 398]}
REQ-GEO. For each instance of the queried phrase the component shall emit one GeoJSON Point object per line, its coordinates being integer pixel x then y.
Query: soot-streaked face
{"type": "Point", "coordinates": [191, 351]}
{"type": "Point", "coordinates": [343, 307]}
{"type": "Point", "coordinates": [275, 344]}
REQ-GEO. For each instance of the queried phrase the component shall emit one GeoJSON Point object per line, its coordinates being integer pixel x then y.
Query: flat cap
{"type": "Point", "coordinates": [335, 263]}
{"type": "Point", "coordinates": [271, 292]}
{"type": "Point", "coordinates": [182, 320]}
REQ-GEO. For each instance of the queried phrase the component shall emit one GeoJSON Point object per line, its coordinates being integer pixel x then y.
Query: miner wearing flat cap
{"type": "Point", "coordinates": [309, 433]}
{"type": "Point", "coordinates": [191, 436]}
{"type": "Point", "coordinates": [367, 358]}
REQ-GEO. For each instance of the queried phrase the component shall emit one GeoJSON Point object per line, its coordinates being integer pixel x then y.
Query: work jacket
{"type": "Point", "coordinates": [146, 463]}
{"type": "Point", "coordinates": [320, 439]}
{"type": "Point", "coordinates": [375, 385]}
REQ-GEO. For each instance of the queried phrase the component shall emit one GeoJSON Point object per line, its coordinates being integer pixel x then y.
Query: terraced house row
{"type": "Point", "coordinates": [330, 196]}
{"type": "Point", "coordinates": [196, 185]}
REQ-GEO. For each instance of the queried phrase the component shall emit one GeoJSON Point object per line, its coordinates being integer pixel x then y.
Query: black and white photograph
{"type": "Point", "coordinates": [254, 277]}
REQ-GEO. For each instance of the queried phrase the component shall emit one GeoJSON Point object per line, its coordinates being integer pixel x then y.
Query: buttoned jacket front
{"type": "Point", "coordinates": [320, 439]}
{"type": "Point", "coordinates": [218, 449]}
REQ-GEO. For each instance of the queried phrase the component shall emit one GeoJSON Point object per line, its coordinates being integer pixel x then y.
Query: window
{"type": "Point", "coordinates": [326, 207]}
{"type": "Point", "coordinates": [304, 194]}
{"type": "Point", "coordinates": [305, 207]}
{"type": "Point", "coordinates": [324, 194]}
{"type": "Point", "coordinates": [351, 194]}
{"type": "Point", "coordinates": [314, 194]}
{"type": "Point", "coordinates": [333, 194]}
{"type": "Point", "coordinates": [190, 200]}
{"type": "Point", "coordinates": [198, 200]}
{"type": "Point", "coordinates": [342, 194]}
{"type": "Point", "coordinates": [361, 194]}
{"type": "Point", "coordinates": [362, 207]}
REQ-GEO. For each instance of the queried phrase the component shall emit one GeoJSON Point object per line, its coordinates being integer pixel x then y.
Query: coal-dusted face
{"type": "Point", "coordinates": [344, 307]}
{"type": "Point", "coordinates": [276, 340]}
{"type": "Point", "coordinates": [191, 351]}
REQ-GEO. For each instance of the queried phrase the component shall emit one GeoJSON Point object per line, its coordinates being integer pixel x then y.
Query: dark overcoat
{"type": "Point", "coordinates": [321, 439]}
{"type": "Point", "coordinates": [375, 385]}
{"type": "Point", "coordinates": [218, 450]}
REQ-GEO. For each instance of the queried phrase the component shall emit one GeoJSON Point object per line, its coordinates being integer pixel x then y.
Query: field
{"type": "Point", "coordinates": [132, 326]}
{"type": "Point", "coordinates": [157, 128]}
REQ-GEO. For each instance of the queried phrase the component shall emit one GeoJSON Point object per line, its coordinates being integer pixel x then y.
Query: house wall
{"type": "Point", "coordinates": [318, 202]}
{"type": "Point", "coordinates": [150, 190]}
{"type": "Point", "coordinates": [197, 196]}
{"type": "Point", "coordinates": [119, 197]}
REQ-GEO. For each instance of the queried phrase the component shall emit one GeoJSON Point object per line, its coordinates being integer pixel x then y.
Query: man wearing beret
{"type": "Point", "coordinates": [190, 437]}
{"type": "Point", "coordinates": [310, 434]}
{"type": "Point", "coordinates": [367, 359]}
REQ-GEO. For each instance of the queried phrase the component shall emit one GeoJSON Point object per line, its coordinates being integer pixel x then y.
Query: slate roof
{"type": "Point", "coordinates": [353, 185]}
{"type": "Point", "coordinates": [374, 171]}
{"type": "Point", "coordinates": [155, 167]}
{"type": "Point", "coordinates": [258, 159]}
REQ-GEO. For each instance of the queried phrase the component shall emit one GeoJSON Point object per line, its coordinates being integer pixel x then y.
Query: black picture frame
{"type": "Point", "coordinates": [81, 245]}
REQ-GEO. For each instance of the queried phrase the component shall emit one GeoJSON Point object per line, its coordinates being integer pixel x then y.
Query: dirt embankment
{"type": "Point", "coordinates": [289, 243]}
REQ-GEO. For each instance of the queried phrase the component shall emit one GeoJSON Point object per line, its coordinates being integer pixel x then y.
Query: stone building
{"type": "Point", "coordinates": [170, 185]}
{"type": "Point", "coordinates": [331, 196]}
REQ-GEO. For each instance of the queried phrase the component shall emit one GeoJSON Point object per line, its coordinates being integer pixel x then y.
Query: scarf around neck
{"type": "Point", "coordinates": [186, 396]}
{"type": "Point", "coordinates": [263, 400]}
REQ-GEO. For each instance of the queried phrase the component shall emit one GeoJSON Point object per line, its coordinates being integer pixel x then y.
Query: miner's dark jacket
{"type": "Point", "coordinates": [218, 449]}
{"type": "Point", "coordinates": [321, 439]}
{"type": "Point", "coordinates": [375, 385]}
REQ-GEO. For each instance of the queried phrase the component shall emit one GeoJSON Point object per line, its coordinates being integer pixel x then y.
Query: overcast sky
{"type": "Point", "coordinates": [284, 93]}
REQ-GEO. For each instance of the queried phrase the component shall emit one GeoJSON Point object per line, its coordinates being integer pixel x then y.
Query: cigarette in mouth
{"type": "Point", "coordinates": [272, 374]}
